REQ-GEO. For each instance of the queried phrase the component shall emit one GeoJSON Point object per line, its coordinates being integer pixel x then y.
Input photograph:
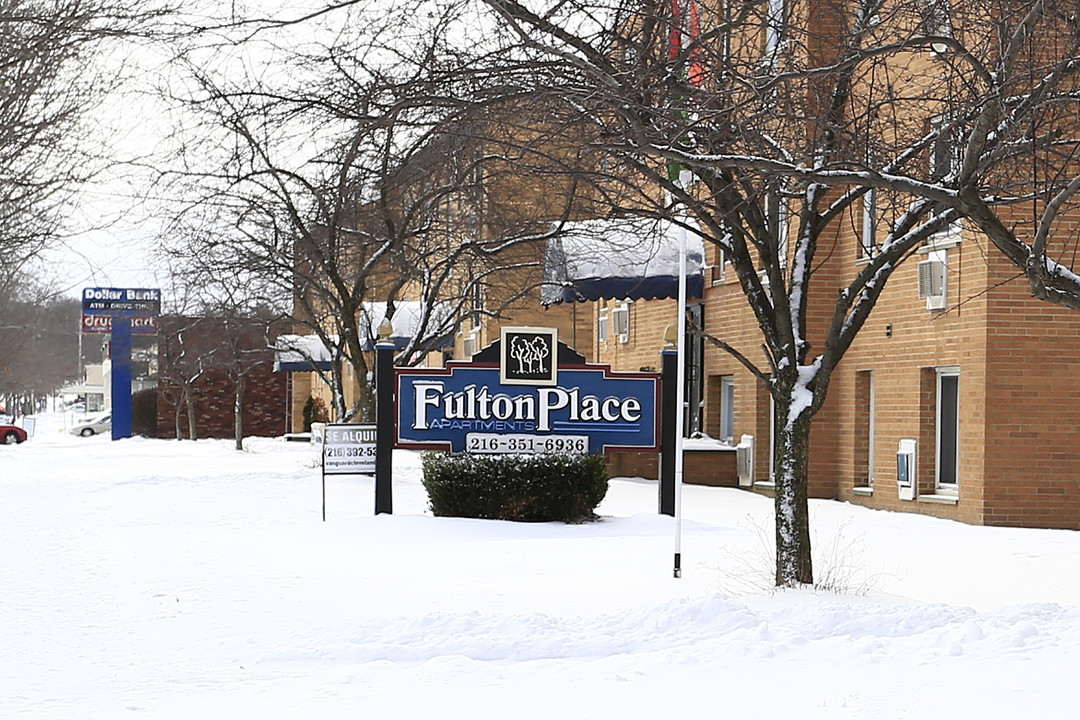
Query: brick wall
{"type": "Point", "coordinates": [186, 344]}
{"type": "Point", "coordinates": [265, 406]}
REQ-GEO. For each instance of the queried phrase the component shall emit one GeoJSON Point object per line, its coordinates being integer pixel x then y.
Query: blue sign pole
{"type": "Point", "coordinates": [120, 355]}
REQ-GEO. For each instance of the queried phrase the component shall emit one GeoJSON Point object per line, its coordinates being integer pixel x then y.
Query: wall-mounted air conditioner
{"type": "Point", "coordinates": [620, 320]}
{"type": "Point", "coordinates": [932, 283]}
{"type": "Point", "coordinates": [744, 460]}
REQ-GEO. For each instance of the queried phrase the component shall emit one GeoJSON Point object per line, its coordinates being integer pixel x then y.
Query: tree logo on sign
{"type": "Point", "coordinates": [528, 356]}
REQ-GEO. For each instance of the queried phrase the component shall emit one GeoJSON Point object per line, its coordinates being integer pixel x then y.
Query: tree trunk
{"type": "Point", "coordinates": [791, 473]}
{"type": "Point", "coordinates": [238, 408]}
{"type": "Point", "coordinates": [189, 401]}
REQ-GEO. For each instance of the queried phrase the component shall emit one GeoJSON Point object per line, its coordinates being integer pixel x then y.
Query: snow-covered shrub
{"type": "Point", "coordinates": [531, 488]}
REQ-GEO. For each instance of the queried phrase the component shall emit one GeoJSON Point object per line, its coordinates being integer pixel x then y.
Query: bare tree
{"type": "Point", "coordinates": [360, 185]}
{"type": "Point", "coordinates": [51, 79]}
{"type": "Point", "coordinates": [38, 345]}
{"type": "Point", "coordinates": [770, 127]}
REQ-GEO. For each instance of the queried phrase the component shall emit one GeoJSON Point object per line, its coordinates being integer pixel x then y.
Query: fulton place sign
{"type": "Point", "coordinates": [488, 405]}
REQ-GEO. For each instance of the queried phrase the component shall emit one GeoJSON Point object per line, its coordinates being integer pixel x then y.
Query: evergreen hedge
{"type": "Point", "coordinates": [529, 488]}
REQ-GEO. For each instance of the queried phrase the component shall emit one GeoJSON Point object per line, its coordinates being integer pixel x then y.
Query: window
{"type": "Point", "coordinates": [775, 25]}
{"type": "Point", "coordinates": [620, 320]}
{"type": "Point", "coordinates": [602, 326]}
{"type": "Point", "coordinates": [945, 153]}
{"type": "Point", "coordinates": [776, 221]}
{"type": "Point", "coordinates": [694, 368]}
{"type": "Point", "coordinates": [864, 428]}
{"type": "Point", "coordinates": [776, 215]}
{"type": "Point", "coordinates": [948, 429]}
{"type": "Point", "coordinates": [946, 157]}
{"type": "Point", "coordinates": [868, 245]}
{"type": "Point", "coordinates": [772, 440]}
{"type": "Point", "coordinates": [727, 408]}
{"type": "Point", "coordinates": [472, 342]}
{"type": "Point", "coordinates": [937, 21]}
{"type": "Point", "coordinates": [719, 266]}
{"type": "Point", "coordinates": [477, 305]}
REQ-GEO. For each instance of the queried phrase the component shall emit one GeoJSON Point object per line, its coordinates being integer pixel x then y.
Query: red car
{"type": "Point", "coordinates": [10, 434]}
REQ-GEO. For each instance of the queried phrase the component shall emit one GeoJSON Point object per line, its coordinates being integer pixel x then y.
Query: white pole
{"type": "Point", "coordinates": [680, 392]}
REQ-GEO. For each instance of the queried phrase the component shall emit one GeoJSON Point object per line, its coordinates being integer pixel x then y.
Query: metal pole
{"type": "Point", "coordinates": [680, 400]}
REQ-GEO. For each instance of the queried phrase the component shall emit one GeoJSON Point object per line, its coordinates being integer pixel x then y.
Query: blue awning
{"type": "Point", "coordinates": [625, 259]}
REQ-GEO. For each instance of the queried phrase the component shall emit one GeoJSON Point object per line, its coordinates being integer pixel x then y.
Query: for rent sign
{"type": "Point", "coordinates": [470, 407]}
{"type": "Point", "coordinates": [349, 449]}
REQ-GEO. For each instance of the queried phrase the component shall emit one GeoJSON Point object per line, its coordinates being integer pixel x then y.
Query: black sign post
{"type": "Point", "coordinates": [384, 423]}
{"type": "Point", "coordinates": [669, 424]}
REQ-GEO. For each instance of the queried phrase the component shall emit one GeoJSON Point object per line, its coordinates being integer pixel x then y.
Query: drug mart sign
{"type": "Point", "coordinates": [527, 403]}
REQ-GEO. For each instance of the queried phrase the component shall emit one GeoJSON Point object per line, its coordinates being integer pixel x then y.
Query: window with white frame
{"type": "Point", "coordinates": [620, 322]}
{"type": "Point", "coordinates": [719, 266]}
{"type": "Point", "coordinates": [776, 216]}
{"type": "Point", "coordinates": [946, 156]}
{"type": "Point", "coordinates": [936, 21]}
{"type": "Point", "coordinates": [727, 408]}
{"type": "Point", "coordinates": [772, 440]}
{"type": "Point", "coordinates": [775, 26]}
{"type": "Point", "coordinates": [602, 326]}
{"type": "Point", "coordinates": [472, 342]}
{"type": "Point", "coordinates": [477, 305]}
{"type": "Point", "coordinates": [947, 475]}
{"type": "Point", "coordinates": [868, 245]}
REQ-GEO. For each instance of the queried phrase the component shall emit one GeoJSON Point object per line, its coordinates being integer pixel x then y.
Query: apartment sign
{"type": "Point", "coordinates": [527, 403]}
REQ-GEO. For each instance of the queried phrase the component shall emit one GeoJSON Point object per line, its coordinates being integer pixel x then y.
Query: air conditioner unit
{"type": "Point", "coordinates": [620, 320]}
{"type": "Point", "coordinates": [932, 283]}
{"type": "Point", "coordinates": [744, 460]}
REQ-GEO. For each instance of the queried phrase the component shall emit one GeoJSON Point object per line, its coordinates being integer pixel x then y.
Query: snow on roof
{"type": "Point", "coordinates": [304, 353]}
{"type": "Point", "coordinates": [635, 259]}
{"type": "Point", "coordinates": [301, 353]}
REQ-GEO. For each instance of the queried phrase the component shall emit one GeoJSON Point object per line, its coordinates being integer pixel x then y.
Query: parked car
{"type": "Point", "coordinates": [93, 426]}
{"type": "Point", "coordinates": [11, 434]}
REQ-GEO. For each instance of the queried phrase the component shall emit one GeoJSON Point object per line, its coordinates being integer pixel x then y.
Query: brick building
{"type": "Point", "coordinates": [957, 365]}
{"type": "Point", "coordinates": [208, 355]}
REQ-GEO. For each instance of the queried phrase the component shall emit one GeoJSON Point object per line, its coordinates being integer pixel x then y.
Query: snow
{"type": "Point", "coordinates": [604, 252]}
{"type": "Point", "coordinates": [165, 579]}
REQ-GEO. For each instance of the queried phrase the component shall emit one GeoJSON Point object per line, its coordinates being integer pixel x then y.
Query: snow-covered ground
{"type": "Point", "coordinates": [164, 579]}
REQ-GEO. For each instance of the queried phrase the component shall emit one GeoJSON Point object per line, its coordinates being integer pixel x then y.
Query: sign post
{"type": "Point", "coordinates": [670, 423]}
{"type": "Point", "coordinates": [120, 355]}
{"type": "Point", "coordinates": [384, 419]}
{"type": "Point", "coordinates": [120, 312]}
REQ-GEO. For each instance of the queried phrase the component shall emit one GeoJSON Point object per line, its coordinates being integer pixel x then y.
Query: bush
{"type": "Point", "coordinates": [314, 411]}
{"type": "Point", "coordinates": [530, 488]}
{"type": "Point", "coordinates": [144, 413]}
